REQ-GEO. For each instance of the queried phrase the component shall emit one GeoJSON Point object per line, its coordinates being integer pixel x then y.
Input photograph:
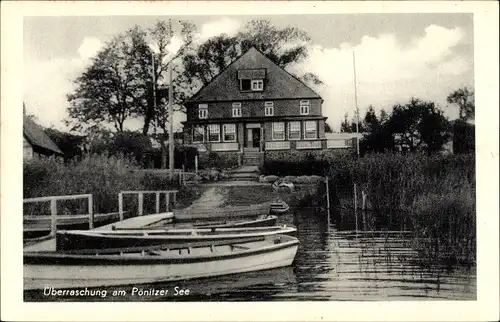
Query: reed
{"type": "Point", "coordinates": [435, 195]}
{"type": "Point", "coordinates": [100, 175]}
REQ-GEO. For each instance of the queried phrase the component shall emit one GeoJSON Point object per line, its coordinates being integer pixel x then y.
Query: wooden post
{"type": "Point", "coordinates": [327, 201]}
{"type": "Point", "coordinates": [91, 212]}
{"type": "Point", "coordinates": [356, 207]}
{"type": "Point", "coordinates": [53, 213]}
{"type": "Point", "coordinates": [157, 202]}
{"type": "Point", "coordinates": [175, 198]}
{"type": "Point", "coordinates": [363, 209]}
{"type": "Point", "coordinates": [196, 164]}
{"type": "Point", "coordinates": [120, 205]}
{"type": "Point", "coordinates": [167, 200]}
{"type": "Point", "coordinates": [140, 199]}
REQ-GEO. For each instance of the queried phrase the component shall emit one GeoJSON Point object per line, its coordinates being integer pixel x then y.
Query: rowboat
{"type": "Point", "coordinates": [127, 266]}
{"type": "Point", "coordinates": [96, 240]}
{"type": "Point", "coordinates": [230, 212]}
{"type": "Point", "coordinates": [35, 226]}
{"type": "Point", "coordinates": [260, 221]}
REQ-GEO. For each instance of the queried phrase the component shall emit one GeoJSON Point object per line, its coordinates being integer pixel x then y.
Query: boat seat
{"type": "Point", "coordinates": [238, 247]}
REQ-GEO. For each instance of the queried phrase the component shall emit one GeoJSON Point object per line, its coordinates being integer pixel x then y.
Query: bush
{"type": "Point", "coordinates": [218, 160]}
{"type": "Point", "coordinates": [103, 177]}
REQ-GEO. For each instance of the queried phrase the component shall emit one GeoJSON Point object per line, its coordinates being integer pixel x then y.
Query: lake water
{"type": "Point", "coordinates": [332, 264]}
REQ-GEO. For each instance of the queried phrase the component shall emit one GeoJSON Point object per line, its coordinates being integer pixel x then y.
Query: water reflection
{"type": "Point", "coordinates": [334, 262]}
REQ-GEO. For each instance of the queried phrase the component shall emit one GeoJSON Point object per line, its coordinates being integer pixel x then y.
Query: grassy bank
{"type": "Point", "coordinates": [103, 177]}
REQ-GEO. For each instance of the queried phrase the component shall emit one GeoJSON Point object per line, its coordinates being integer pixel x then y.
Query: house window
{"type": "Point", "coordinates": [269, 108]}
{"type": "Point", "coordinates": [199, 133]}
{"type": "Point", "coordinates": [304, 107]}
{"type": "Point", "coordinates": [294, 131]}
{"type": "Point", "coordinates": [245, 84]}
{"type": "Point", "coordinates": [278, 131]}
{"type": "Point", "coordinates": [257, 85]}
{"type": "Point", "coordinates": [229, 131]}
{"type": "Point", "coordinates": [236, 109]}
{"type": "Point", "coordinates": [214, 133]}
{"type": "Point", "coordinates": [311, 131]}
{"type": "Point", "coordinates": [203, 111]}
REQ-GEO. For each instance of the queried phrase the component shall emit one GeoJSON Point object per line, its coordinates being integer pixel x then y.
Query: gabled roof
{"type": "Point", "coordinates": [36, 136]}
{"type": "Point", "coordinates": [279, 83]}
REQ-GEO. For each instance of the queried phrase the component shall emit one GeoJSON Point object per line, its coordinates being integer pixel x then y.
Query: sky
{"type": "Point", "coordinates": [397, 57]}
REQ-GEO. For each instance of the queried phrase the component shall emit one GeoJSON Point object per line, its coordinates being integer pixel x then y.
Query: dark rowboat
{"type": "Point", "coordinates": [96, 240]}
{"type": "Point", "coordinates": [155, 264]}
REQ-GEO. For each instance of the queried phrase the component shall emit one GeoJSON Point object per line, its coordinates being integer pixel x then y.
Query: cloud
{"type": "Point", "coordinates": [47, 82]}
{"type": "Point", "coordinates": [388, 71]}
{"type": "Point", "coordinates": [89, 47]}
{"type": "Point", "coordinates": [226, 26]}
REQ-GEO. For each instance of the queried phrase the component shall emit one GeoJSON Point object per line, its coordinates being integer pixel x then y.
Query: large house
{"type": "Point", "coordinates": [254, 106]}
{"type": "Point", "coordinates": [36, 143]}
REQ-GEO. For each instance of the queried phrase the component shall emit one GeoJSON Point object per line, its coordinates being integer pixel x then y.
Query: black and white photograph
{"type": "Point", "coordinates": [323, 156]}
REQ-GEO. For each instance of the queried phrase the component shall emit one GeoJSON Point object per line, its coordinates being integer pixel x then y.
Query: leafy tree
{"type": "Point", "coordinates": [378, 137]}
{"type": "Point", "coordinates": [465, 101]}
{"type": "Point", "coordinates": [350, 126]}
{"type": "Point", "coordinates": [71, 145]}
{"type": "Point", "coordinates": [418, 125]}
{"type": "Point", "coordinates": [371, 121]}
{"type": "Point", "coordinates": [118, 83]}
{"type": "Point", "coordinates": [328, 129]}
{"type": "Point", "coordinates": [463, 137]}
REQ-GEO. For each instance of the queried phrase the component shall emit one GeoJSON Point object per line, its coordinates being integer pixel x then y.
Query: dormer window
{"type": "Point", "coordinates": [252, 79]}
{"type": "Point", "coordinates": [245, 84]}
{"type": "Point", "coordinates": [202, 111]}
{"type": "Point", "coordinates": [257, 85]}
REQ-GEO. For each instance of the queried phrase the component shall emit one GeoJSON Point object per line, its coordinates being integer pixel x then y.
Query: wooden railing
{"type": "Point", "coordinates": [308, 145]}
{"type": "Point", "coordinates": [225, 146]}
{"type": "Point", "coordinates": [140, 199]}
{"type": "Point", "coordinates": [278, 145]}
{"type": "Point", "coordinates": [53, 208]}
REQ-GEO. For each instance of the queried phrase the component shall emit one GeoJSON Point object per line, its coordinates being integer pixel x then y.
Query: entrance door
{"type": "Point", "coordinates": [253, 138]}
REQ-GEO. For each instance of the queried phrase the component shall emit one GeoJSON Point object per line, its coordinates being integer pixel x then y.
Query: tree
{"type": "Point", "coordinates": [328, 129]}
{"type": "Point", "coordinates": [119, 83]}
{"type": "Point", "coordinates": [465, 101]}
{"type": "Point", "coordinates": [71, 145]}
{"type": "Point", "coordinates": [107, 91]}
{"type": "Point", "coordinates": [284, 46]}
{"type": "Point", "coordinates": [371, 121]}
{"type": "Point", "coordinates": [418, 125]}
{"type": "Point", "coordinates": [350, 126]}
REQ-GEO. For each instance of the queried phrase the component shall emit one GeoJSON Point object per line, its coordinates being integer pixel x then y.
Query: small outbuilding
{"type": "Point", "coordinates": [36, 143]}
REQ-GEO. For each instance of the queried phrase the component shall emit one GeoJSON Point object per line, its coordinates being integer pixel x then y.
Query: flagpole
{"type": "Point", "coordinates": [171, 121]}
{"type": "Point", "coordinates": [154, 80]}
{"type": "Point", "coordinates": [356, 102]}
